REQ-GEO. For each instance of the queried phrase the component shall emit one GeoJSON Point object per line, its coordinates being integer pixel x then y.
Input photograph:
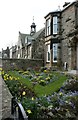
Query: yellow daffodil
{"type": "Point", "coordinates": [0, 69]}
{"type": "Point", "coordinates": [32, 98]}
{"type": "Point", "coordinates": [10, 78]}
{"type": "Point", "coordinates": [5, 79]}
{"type": "Point", "coordinates": [45, 71]}
{"type": "Point", "coordinates": [2, 72]}
{"type": "Point", "coordinates": [60, 93]}
{"type": "Point", "coordinates": [29, 111]}
{"type": "Point", "coordinates": [24, 93]}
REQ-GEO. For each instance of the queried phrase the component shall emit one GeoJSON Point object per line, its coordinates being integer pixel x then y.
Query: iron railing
{"type": "Point", "coordinates": [18, 111]}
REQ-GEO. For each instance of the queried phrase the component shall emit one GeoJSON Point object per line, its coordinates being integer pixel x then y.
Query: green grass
{"type": "Point", "coordinates": [39, 89]}
{"type": "Point", "coordinates": [21, 79]}
{"type": "Point", "coordinates": [50, 88]}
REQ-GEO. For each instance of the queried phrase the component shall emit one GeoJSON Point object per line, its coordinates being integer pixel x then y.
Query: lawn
{"type": "Point", "coordinates": [54, 83]}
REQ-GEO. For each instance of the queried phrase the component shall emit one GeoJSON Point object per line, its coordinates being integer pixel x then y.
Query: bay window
{"type": "Point", "coordinates": [55, 25]}
{"type": "Point", "coordinates": [48, 27]}
{"type": "Point", "coordinates": [55, 45]}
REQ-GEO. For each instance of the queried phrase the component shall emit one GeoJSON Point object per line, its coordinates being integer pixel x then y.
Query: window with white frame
{"type": "Point", "coordinates": [55, 25]}
{"type": "Point", "coordinates": [48, 31]}
{"type": "Point", "coordinates": [48, 53]}
{"type": "Point", "coordinates": [55, 46]}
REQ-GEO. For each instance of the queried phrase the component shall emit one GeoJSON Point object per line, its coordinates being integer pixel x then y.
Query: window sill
{"type": "Point", "coordinates": [48, 62]}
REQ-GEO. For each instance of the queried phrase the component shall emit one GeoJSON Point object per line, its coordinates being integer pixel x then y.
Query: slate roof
{"type": "Point", "coordinates": [22, 37]}
{"type": "Point", "coordinates": [36, 35]}
{"type": "Point", "coordinates": [29, 37]}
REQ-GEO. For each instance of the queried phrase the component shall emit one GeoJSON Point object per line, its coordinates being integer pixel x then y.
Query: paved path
{"type": "Point", "coordinates": [0, 92]}
{"type": "Point", "coordinates": [5, 99]}
{"type": "Point", "coordinates": [0, 97]}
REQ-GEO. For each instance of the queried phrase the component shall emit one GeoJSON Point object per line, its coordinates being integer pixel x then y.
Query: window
{"type": "Point", "coordinates": [29, 52]}
{"type": "Point", "coordinates": [55, 52]}
{"type": "Point", "coordinates": [26, 39]}
{"type": "Point", "coordinates": [55, 25]}
{"type": "Point", "coordinates": [48, 53]}
{"type": "Point", "coordinates": [48, 27]}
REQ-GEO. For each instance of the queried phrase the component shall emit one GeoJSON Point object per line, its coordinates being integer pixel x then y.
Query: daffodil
{"type": "Point", "coordinates": [45, 71]}
{"type": "Point", "coordinates": [0, 69]}
{"type": "Point", "coordinates": [24, 93]}
{"type": "Point", "coordinates": [60, 93]}
{"type": "Point", "coordinates": [10, 78]}
{"type": "Point", "coordinates": [29, 111]}
{"type": "Point", "coordinates": [2, 72]}
{"type": "Point", "coordinates": [32, 98]}
{"type": "Point", "coordinates": [5, 79]}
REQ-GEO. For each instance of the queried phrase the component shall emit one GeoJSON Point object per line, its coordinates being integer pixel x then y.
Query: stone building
{"type": "Point", "coordinates": [61, 37]}
{"type": "Point", "coordinates": [6, 53]}
{"type": "Point", "coordinates": [0, 54]}
{"type": "Point", "coordinates": [31, 46]}
{"type": "Point", "coordinates": [13, 53]}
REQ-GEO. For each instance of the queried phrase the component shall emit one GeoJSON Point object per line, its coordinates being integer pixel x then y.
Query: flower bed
{"type": "Point", "coordinates": [61, 104]}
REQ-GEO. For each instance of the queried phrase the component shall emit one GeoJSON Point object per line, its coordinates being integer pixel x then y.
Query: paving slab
{"type": "Point", "coordinates": [0, 97]}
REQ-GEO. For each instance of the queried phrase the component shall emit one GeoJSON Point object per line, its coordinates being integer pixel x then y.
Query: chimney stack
{"type": "Point", "coordinates": [66, 3]}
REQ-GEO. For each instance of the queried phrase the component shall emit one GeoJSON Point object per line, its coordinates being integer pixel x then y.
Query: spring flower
{"type": "Point", "coordinates": [2, 72]}
{"type": "Point", "coordinates": [0, 69]}
{"type": "Point", "coordinates": [32, 98]}
{"type": "Point", "coordinates": [10, 78]}
{"type": "Point", "coordinates": [50, 106]}
{"type": "Point", "coordinates": [48, 78]}
{"type": "Point", "coordinates": [24, 93]}
{"type": "Point", "coordinates": [29, 111]}
{"type": "Point", "coordinates": [45, 71]}
{"type": "Point", "coordinates": [66, 101]}
{"type": "Point", "coordinates": [5, 79]}
{"type": "Point", "coordinates": [60, 93]}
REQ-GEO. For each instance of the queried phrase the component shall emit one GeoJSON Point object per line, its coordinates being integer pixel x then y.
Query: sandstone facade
{"type": "Point", "coordinates": [64, 23]}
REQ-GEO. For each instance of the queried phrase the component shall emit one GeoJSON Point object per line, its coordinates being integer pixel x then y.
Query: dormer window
{"type": "Point", "coordinates": [48, 30]}
{"type": "Point", "coordinates": [55, 25]}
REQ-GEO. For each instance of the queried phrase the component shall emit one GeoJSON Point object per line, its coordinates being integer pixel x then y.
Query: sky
{"type": "Point", "coordinates": [17, 15]}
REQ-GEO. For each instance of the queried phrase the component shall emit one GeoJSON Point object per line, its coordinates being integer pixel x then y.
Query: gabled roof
{"type": "Point", "coordinates": [36, 35]}
{"type": "Point", "coordinates": [22, 37]}
{"type": "Point", "coordinates": [29, 37]}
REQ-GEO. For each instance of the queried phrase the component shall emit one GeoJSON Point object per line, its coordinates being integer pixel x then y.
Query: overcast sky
{"type": "Point", "coordinates": [17, 15]}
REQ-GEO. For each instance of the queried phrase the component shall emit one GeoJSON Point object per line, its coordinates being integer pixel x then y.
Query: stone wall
{"type": "Point", "coordinates": [21, 64]}
{"type": "Point", "coordinates": [67, 27]}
